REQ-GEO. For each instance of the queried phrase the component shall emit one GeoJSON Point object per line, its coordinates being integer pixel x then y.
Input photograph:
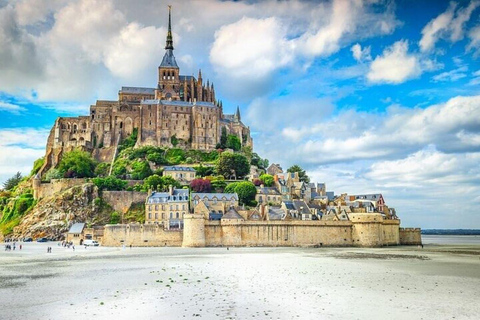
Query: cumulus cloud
{"type": "Point", "coordinates": [251, 49]}
{"type": "Point", "coordinates": [20, 147]}
{"type": "Point", "coordinates": [395, 65]}
{"type": "Point", "coordinates": [453, 127]}
{"type": "Point", "coordinates": [360, 54]}
{"type": "Point", "coordinates": [448, 25]}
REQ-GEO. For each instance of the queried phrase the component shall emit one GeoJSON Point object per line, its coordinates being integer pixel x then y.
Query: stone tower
{"type": "Point", "coordinates": [168, 72]}
{"type": "Point", "coordinates": [193, 230]}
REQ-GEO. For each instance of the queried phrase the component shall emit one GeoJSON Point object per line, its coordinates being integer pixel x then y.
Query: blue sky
{"type": "Point", "coordinates": [368, 96]}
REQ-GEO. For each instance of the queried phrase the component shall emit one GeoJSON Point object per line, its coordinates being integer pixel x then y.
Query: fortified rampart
{"type": "Point", "coordinates": [410, 236]}
{"type": "Point", "coordinates": [42, 190]}
{"type": "Point", "coordinates": [368, 230]}
{"type": "Point", "coordinates": [121, 201]}
{"type": "Point", "coordinates": [140, 235]}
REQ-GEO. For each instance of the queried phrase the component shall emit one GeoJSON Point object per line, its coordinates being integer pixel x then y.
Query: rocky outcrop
{"type": "Point", "coordinates": [53, 215]}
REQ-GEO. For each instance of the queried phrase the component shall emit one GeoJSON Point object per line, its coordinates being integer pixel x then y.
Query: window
{"type": "Point", "coordinates": [156, 216]}
{"type": "Point", "coordinates": [171, 215]}
{"type": "Point", "coordinates": [149, 215]}
{"type": "Point", "coordinates": [178, 216]}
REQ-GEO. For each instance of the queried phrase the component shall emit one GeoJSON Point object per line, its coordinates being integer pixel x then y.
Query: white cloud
{"type": "Point", "coordinates": [395, 65]}
{"type": "Point", "coordinates": [474, 35]}
{"type": "Point", "coordinates": [251, 48]}
{"type": "Point", "coordinates": [12, 108]}
{"type": "Point", "coordinates": [360, 54]}
{"type": "Point", "coordinates": [452, 75]}
{"type": "Point", "coordinates": [448, 25]}
{"type": "Point", "coordinates": [20, 148]}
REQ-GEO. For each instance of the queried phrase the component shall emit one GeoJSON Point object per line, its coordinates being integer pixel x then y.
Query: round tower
{"type": "Point", "coordinates": [367, 229]}
{"type": "Point", "coordinates": [36, 183]}
{"type": "Point", "coordinates": [193, 230]}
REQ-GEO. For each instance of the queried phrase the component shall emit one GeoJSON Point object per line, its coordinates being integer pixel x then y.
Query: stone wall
{"type": "Point", "coordinates": [258, 233]}
{"type": "Point", "coordinates": [278, 233]}
{"type": "Point", "coordinates": [56, 185]}
{"type": "Point", "coordinates": [410, 236]}
{"type": "Point", "coordinates": [121, 201]}
{"type": "Point", "coordinates": [139, 235]}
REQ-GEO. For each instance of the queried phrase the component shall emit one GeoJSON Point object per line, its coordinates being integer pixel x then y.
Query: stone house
{"type": "Point", "coordinates": [167, 208]}
{"type": "Point", "coordinates": [213, 205]}
{"type": "Point", "coordinates": [274, 169]}
{"type": "Point", "coordinates": [268, 195]}
{"type": "Point", "coordinates": [184, 175]}
{"type": "Point", "coordinates": [375, 198]}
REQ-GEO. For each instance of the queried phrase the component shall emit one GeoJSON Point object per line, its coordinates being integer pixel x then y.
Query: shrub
{"type": "Point", "coordinates": [201, 185]}
{"type": "Point", "coordinates": [267, 180]}
{"type": "Point", "coordinates": [77, 164]}
{"type": "Point", "coordinates": [233, 164]}
{"type": "Point", "coordinates": [110, 183]}
{"type": "Point", "coordinates": [115, 218]}
{"type": "Point", "coordinates": [37, 165]}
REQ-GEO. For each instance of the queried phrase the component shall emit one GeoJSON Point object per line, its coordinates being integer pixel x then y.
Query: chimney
{"type": "Point", "coordinates": [170, 190]}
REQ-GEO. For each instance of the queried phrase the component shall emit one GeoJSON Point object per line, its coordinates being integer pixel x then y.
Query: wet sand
{"type": "Point", "coordinates": [437, 282]}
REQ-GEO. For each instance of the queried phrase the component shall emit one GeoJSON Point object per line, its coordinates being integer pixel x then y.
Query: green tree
{"type": "Point", "coordinates": [115, 218]}
{"type": "Point", "coordinates": [110, 183]}
{"type": "Point", "coordinates": [53, 174]}
{"type": "Point", "coordinates": [153, 182]}
{"type": "Point", "coordinates": [157, 158]}
{"type": "Point", "coordinates": [101, 170]}
{"type": "Point", "coordinates": [174, 140]}
{"type": "Point", "coordinates": [13, 181]}
{"type": "Point", "coordinates": [301, 173]}
{"type": "Point", "coordinates": [140, 170]}
{"type": "Point", "coordinates": [202, 171]}
{"type": "Point", "coordinates": [233, 142]}
{"type": "Point", "coordinates": [219, 185]}
{"type": "Point", "coordinates": [246, 192]}
{"type": "Point", "coordinates": [223, 138]}
{"type": "Point", "coordinates": [230, 188]}
{"type": "Point", "coordinates": [77, 164]}
{"type": "Point", "coordinates": [233, 165]}
{"type": "Point", "coordinates": [267, 180]}
{"type": "Point", "coordinates": [37, 165]}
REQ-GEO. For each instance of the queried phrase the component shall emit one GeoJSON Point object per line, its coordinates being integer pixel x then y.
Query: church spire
{"type": "Point", "coordinates": [237, 114]}
{"type": "Point", "coordinates": [169, 45]}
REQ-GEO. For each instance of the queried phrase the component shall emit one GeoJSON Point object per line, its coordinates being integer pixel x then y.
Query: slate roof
{"type": "Point", "coordinates": [289, 205]}
{"type": "Point", "coordinates": [179, 195]}
{"type": "Point", "coordinates": [179, 103]}
{"type": "Point", "coordinates": [371, 197]}
{"type": "Point", "coordinates": [76, 228]}
{"type": "Point", "coordinates": [268, 191]}
{"type": "Point", "coordinates": [301, 206]}
{"type": "Point", "coordinates": [219, 196]}
{"type": "Point", "coordinates": [169, 60]}
{"type": "Point", "coordinates": [188, 78]}
{"type": "Point", "coordinates": [178, 168]}
{"type": "Point", "coordinates": [138, 90]}
{"type": "Point", "coordinates": [232, 214]}
{"type": "Point", "coordinates": [275, 213]}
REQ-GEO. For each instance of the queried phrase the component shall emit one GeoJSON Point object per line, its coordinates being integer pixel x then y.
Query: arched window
{"type": "Point", "coordinates": [171, 215]}
{"type": "Point", "coordinates": [178, 215]}
{"type": "Point", "coordinates": [121, 125]}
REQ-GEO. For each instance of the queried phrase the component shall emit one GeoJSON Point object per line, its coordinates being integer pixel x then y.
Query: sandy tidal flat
{"type": "Point", "coordinates": [437, 282]}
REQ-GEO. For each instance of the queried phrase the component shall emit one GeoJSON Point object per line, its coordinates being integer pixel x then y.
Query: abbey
{"type": "Point", "coordinates": [180, 110]}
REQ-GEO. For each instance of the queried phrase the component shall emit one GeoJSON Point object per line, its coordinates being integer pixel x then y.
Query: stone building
{"type": "Point", "coordinates": [167, 208]}
{"type": "Point", "coordinates": [184, 175]}
{"type": "Point", "coordinates": [180, 110]}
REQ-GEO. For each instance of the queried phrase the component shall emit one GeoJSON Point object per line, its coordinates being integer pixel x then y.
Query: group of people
{"type": "Point", "coordinates": [67, 244]}
{"type": "Point", "coordinates": [13, 246]}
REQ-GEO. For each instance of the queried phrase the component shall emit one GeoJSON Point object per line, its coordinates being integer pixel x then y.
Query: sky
{"type": "Point", "coordinates": [367, 96]}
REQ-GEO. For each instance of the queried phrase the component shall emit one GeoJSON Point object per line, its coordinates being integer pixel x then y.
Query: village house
{"type": "Point", "coordinates": [213, 205]}
{"type": "Point", "coordinates": [167, 208]}
{"type": "Point", "coordinates": [184, 175]}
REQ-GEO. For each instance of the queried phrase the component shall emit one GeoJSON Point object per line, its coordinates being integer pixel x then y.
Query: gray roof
{"type": "Point", "coordinates": [188, 78]}
{"type": "Point", "coordinates": [232, 214]}
{"type": "Point", "coordinates": [179, 195]}
{"type": "Point", "coordinates": [138, 90]}
{"type": "Point", "coordinates": [178, 168]}
{"type": "Point", "coordinates": [179, 103]}
{"type": "Point", "coordinates": [76, 228]}
{"type": "Point", "coordinates": [301, 206]}
{"type": "Point", "coordinates": [289, 205]}
{"type": "Point", "coordinates": [268, 191]}
{"type": "Point", "coordinates": [218, 196]}
{"type": "Point", "coordinates": [169, 60]}
{"type": "Point", "coordinates": [275, 213]}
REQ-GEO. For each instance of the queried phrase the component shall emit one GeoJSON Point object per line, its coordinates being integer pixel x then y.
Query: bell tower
{"type": "Point", "coordinates": [168, 71]}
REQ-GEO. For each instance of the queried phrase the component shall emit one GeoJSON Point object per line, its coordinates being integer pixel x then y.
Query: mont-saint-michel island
{"type": "Point", "coordinates": [239, 159]}
{"type": "Point", "coordinates": [165, 166]}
